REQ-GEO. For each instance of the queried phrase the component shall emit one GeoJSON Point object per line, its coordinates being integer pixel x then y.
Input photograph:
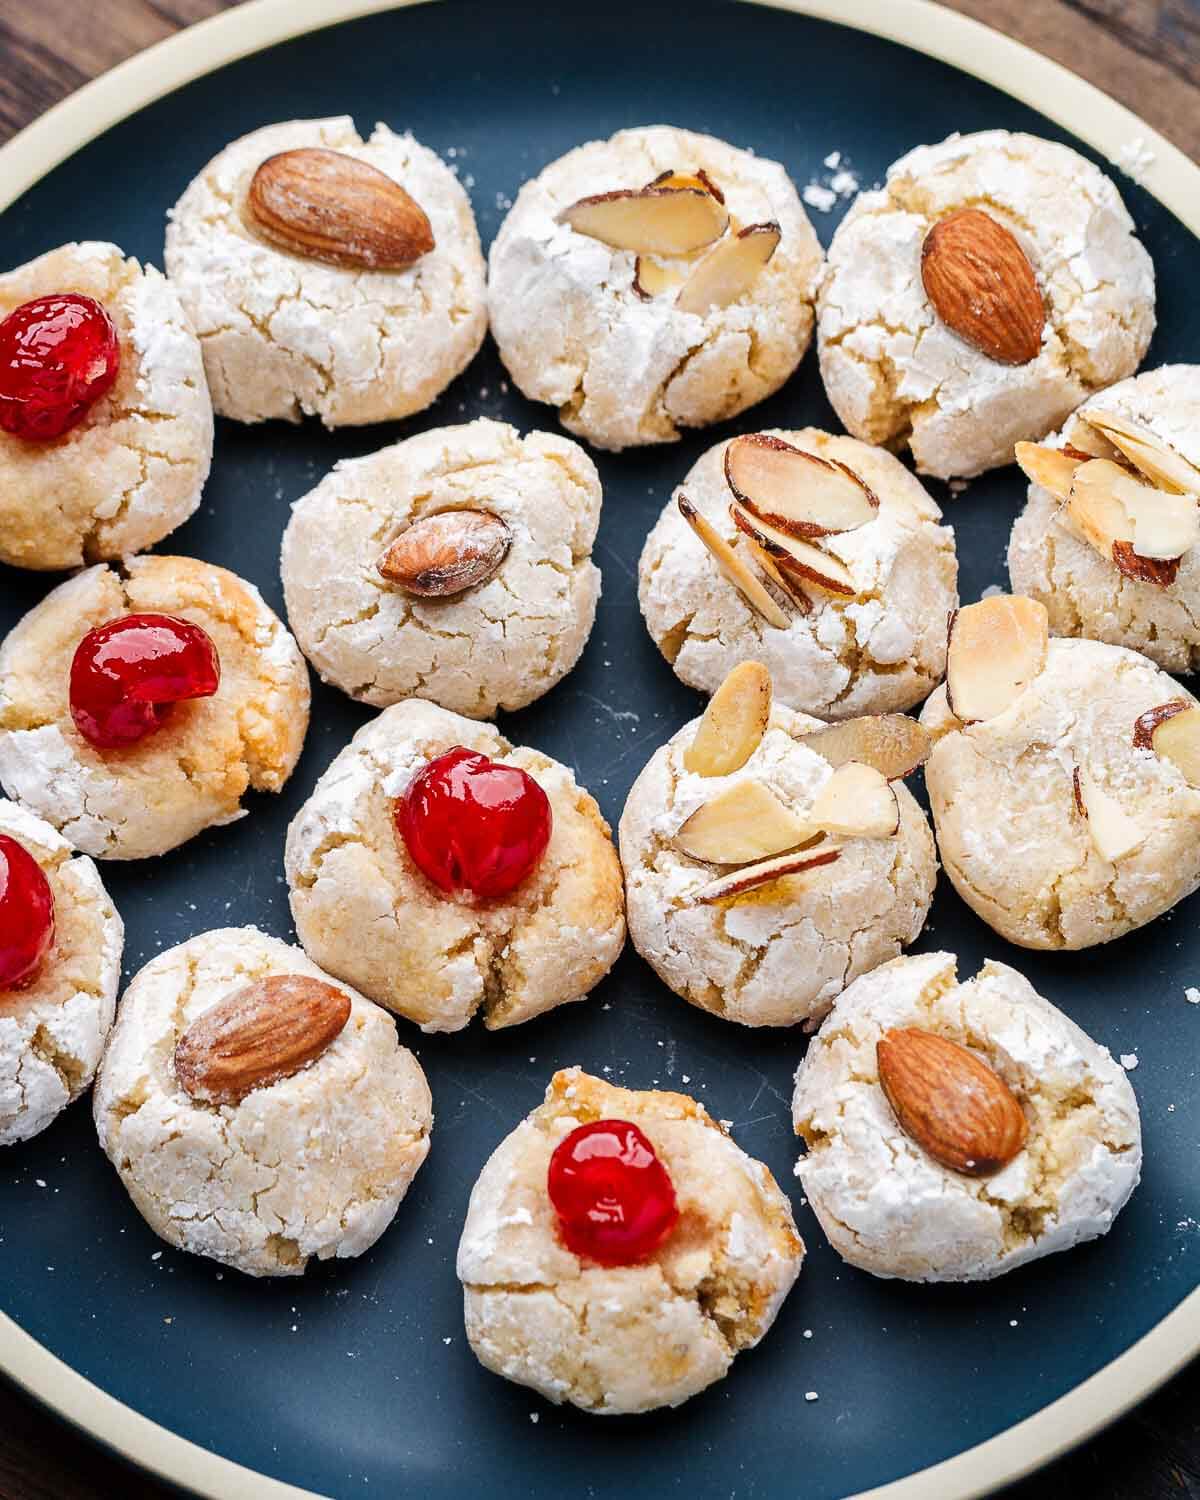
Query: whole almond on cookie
{"type": "Point", "coordinates": [446, 553]}
{"type": "Point", "coordinates": [983, 287]}
{"type": "Point", "coordinates": [267, 1030]}
{"type": "Point", "coordinates": [327, 206]}
{"type": "Point", "coordinates": [956, 1108]}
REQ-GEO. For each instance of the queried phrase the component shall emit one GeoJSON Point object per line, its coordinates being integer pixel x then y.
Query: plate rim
{"type": "Point", "coordinates": [923, 26]}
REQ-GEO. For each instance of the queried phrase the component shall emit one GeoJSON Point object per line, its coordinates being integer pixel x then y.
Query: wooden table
{"type": "Point", "coordinates": [1145, 53]}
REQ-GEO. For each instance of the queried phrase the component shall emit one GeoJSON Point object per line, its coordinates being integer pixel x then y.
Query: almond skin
{"type": "Point", "coordinates": [265, 1031]}
{"type": "Point", "coordinates": [1162, 572]}
{"type": "Point", "coordinates": [956, 1108]}
{"type": "Point", "coordinates": [444, 554]}
{"type": "Point", "coordinates": [330, 207]}
{"type": "Point", "coordinates": [982, 286]}
{"type": "Point", "coordinates": [1145, 724]}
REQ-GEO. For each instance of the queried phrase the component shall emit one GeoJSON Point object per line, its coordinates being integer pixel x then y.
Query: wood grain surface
{"type": "Point", "coordinates": [1145, 53]}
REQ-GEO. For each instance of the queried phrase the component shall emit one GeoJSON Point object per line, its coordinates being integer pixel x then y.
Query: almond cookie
{"type": "Point", "coordinates": [1129, 575]}
{"type": "Point", "coordinates": [1065, 781]}
{"type": "Point", "coordinates": [454, 566]}
{"type": "Point", "coordinates": [257, 1111]}
{"type": "Point", "coordinates": [695, 1254]}
{"type": "Point", "coordinates": [654, 281]}
{"type": "Point", "coordinates": [955, 1131]}
{"type": "Point", "coordinates": [60, 965]}
{"type": "Point", "coordinates": [328, 275]}
{"type": "Point", "coordinates": [770, 859]}
{"type": "Point", "coordinates": [137, 707]}
{"type": "Point", "coordinates": [123, 464]}
{"type": "Point", "coordinates": [440, 870]}
{"type": "Point", "coordinates": [978, 297]}
{"type": "Point", "coordinates": [850, 620]}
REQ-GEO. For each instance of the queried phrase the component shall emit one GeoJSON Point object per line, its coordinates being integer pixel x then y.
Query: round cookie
{"type": "Point", "coordinates": [1084, 592]}
{"type": "Point", "coordinates": [624, 1338]}
{"type": "Point", "coordinates": [314, 1163]}
{"type": "Point", "coordinates": [897, 374]}
{"type": "Point", "coordinates": [783, 951]}
{"type": "Point", "coordinates": [886, 1205]}
{"type": "Point", "coordinates": [622, 368]}
{"type": "Point", "coordinates": [364, 911]}
{"type": "Point", "coordinates": [882, 650]}
{"type": "Point", "coordinates": [53, 1029]}
{"type": "Point", "coordinates": [133, 469]}
{"type": "Point", "coordinates": [149, 797]}
{"type": "Point", "coordinates": [286, 335]}
{"type": "Point", "coordinates": [1009, 815]}
{"type": "Point", "coordinates": [499, 644]}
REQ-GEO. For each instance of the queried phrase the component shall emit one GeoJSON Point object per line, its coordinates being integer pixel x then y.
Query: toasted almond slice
{"type": "Point", "coordinates": [1144, 569]}
{"type": "Point", "coordinates": [1090, 442]}
{"type": "Point", "coordinates": [1157, 460]}
{"type": "Point", "coordinates": [797, 492]}
{"type": "Point", "coordinates": [652, 279]}
{"type": "Point", "coordinates": [745, 822]}
{"type": "Point", "coordinates": [733, 724]}
{"type": "Point", "coordinates": [649, 221]}
{"type": "Point", "coordinates": [1094, 505]}
{"type": "Point", "coordinates": [750, 877]}
{"type": "Point", "coordinates": [857, 802]}
{"type": "Point", "coordinates": [997, 647]}
{"type": "Point", "coordinates": [1143, 530]}
{"type": "Point", "coordinates": [1052, 468]}
{"type": "Point", "coordinates": [752, 589]}
{"type": "Point", "coordinates": [730, 269]}
{"type": "Point", "coordinates": [1113, 831]}
{"type": "Point", "coordinates": [789, 587]}
{"type": "Point", "coordinates": [893, 744]}
{"type": "Point", "coordinates": [697, 179]}
{"type": "Point", "coordinates": [447, 552]}
{"type": "Point", "coordinates": [1172, 730]}
{"type": "Point", "coordinates": [796, 557]}
{"type": "Point", "coordinates": [1165, 526]}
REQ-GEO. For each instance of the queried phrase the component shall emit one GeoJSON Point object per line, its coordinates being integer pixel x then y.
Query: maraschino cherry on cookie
{"type": "Point", "coordinates": [26, 914]}
{"type": "Point", "coordinates": [614, 1199]}
{"type": "Point", "coordinates": [126, 676]}
{"type": "Point", "coordinates": [58, 356]}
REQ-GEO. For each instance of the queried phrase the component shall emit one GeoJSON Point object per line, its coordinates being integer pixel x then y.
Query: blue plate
{"type": "Point", "coordinates": [358, 1380]}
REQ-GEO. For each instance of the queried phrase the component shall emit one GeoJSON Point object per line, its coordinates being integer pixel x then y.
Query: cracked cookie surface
{"type": "Point", "coordinates": [1086, 594]}
{"type": "Point", "coordinates": [897, 375]}
{"type": "Point", "coordinates": [621, 370]}
{"type": "Point", "coordinates": [53, 1029]}
{"type": "Point", "coordinates": [500, 644]}
{"type": "Point", "coordinates": [366, 913]}
{"type": "Point", "coordinates": [886, 1205]}
{"type": "Point", "coordinates": [1009, 831]}
{"type": "Point", "coordinates": [315, 1164]}
{"type": "Point", "coordinates": [784, 952]}
{"type": "Point", "coordinates": [149, 797]}
{"type": "Point", "coordinates": [133, 469]}
{"type": "Point", "coordinates": [287, 336]}
{"type": "Point", "coordinates": [614, 1339]}
{"type": "Point", "coordinates": [884, 650]}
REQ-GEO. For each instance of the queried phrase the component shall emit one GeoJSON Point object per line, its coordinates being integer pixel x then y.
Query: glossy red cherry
{"type": "Point", "coordinates": [58, 356]}
{"type": "Point", "coordinates": [126, 675]}
{"type": "Point", "coordinates": [614, 1198]}
{"type": "Point", "coordinates": [26, 914]}
{"type": "Point", "coordinates": [472, 824]}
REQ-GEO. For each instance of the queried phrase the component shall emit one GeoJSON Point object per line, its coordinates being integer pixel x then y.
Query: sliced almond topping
{"type": "Point", "coordinates": [957, 1108]}
{"type": "Point", "coordinates": [857, 802]}
{"type": "Point", "coordinates": [733, 724]}
{"type": "Point", "coordinates": [750, 877]}
{"type": "Point", "coordinates": [797, 492]}
{"type": "Point", "coordinates": [1052, 468]}
{"type": "Point", "coordinates": [1088, 442]}
{"type": "Point", "coordinates": [745, 822]}
{"type": "Point", "coordinates": [697, 179]}
{"type": "Point", "coordinates": [446, 553]}
{"type": "Point", "coordinates": [1157, 460]}
{"type": "Point", "coordinates": [752, 589]}
{"type": "Point", "coordinates": [652, 279]}
{"type": "Point", "coordinates": [893, 744]}
{"type": "Point", "coordinates": [789, 587]}
{"type": "Point", "coordinates": [1113, 831]}
{"type": "Point", "coordinates": [650, 221]}
{"type": "Point", "coordinates": [982, 286]}
{"type": "Point", "coordinates": [997, 647]}
{"type": "Point", "coordinates": [795, 557]}
{"type": "Point", "coordinates": [730, 269]}
{"type": "Point", "coordinates": [1172, 730]}
{"type": "Point", "coordinates": [1138, 527]}
{"type": "Point", "coordinates": [1144, 569]}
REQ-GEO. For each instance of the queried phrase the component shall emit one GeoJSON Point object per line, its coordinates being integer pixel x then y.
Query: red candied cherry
{"type": "Point", "coordinates": [26, 914]}
{"type": "Point", "coordinates": [472, 824]}
{"type": "Point", "coordinates": [58, 356]}
{"type": "Point", "coordinates": [126, 675]}
{"type": "Point", "coordinates": [614, 1198]}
